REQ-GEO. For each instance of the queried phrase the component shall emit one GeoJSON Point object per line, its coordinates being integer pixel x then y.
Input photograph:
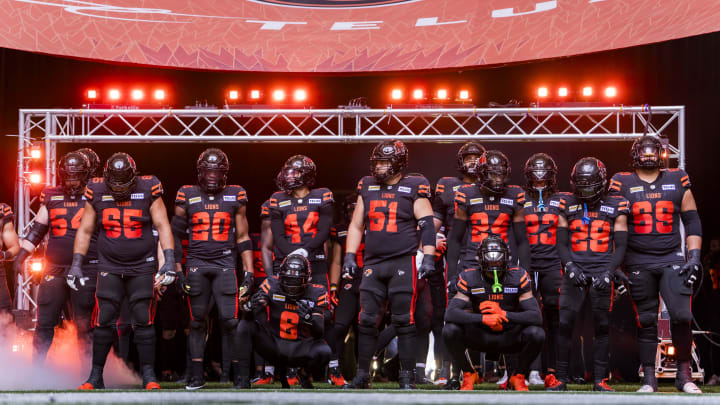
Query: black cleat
{"type": "Point", "coordinates": [95, 381]}
{"type": "Point", "coordinates": [406, 379]}
{"type": "Point", "coordinates": [360, 382]}
{"type": "Point", "coordinates": [195, 383]}
{"type": "Point", "coordinates": [556, 386]}
{"type": "Point", "coordinates": [683, 379]}
{"type": "Point", "coordinates": [242, 383]}
{"type": "Point", "coordinates": [453, 384]}
{"type": "Point", "coordinates": [305, 381]}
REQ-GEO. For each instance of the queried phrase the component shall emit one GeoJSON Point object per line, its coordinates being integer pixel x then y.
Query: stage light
{"type": "Point", "coordinates": [542, 92]}
{"type": "Point", "coordinates": [671, 350]}
{"type": "Point", "coordinates": [137, 94]}
{"type": "Point", "coordinates": [278, 95]}
{"type": "Point", "coordinates": [464, 95]}
{"type": "Point", "coordinates": [114, 94]}
{"type": "Point", "coordinates": [35, 178]}
{"type": "Point", "coordinates": [36, 265]}
{"type": "Point", "coordinates": [35, 151]}
{"type": "Point", "coordinates": [418, 94]}
{"type": "Point", "coordinates": [233, 94]}
{"type": "Point", "coordinates": [300, 95]}
{"type": "Point", "coordinates": [562, 92]}
{"type": "Point", "coordinates": [92, 94]}
{"type": "Point", "coordinates": [254, 94]}
{"type": "Point", "coordinates": [159, 95]}
{"type": "Point", "coordinates": [610, 91]}
{"type": "Point", "coordinates": [396, 94]}
{"type": "Point", "coordinates": [442, 94]}
{"type": "Point", "coordinates": [587, 91]}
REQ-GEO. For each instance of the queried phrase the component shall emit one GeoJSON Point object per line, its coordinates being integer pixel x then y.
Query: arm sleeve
{"type": "Point", "coordinates": [563, 236]}
{"type": "Point", "coordinates": [529, 313]}
{"type": "Point", "coordinates": [523, 246]}
{"type": "Point", "coordinates": [621, 238]}
{"type": "Point", "coordinates": [454, 244]}
{"type": "Point", "coordinates": [456, 313]}
{"type": "Point", "coordinates": [323, 227]}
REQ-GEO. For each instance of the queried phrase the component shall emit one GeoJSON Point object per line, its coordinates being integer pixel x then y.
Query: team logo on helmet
{"type": "Point", "coordinates": [333, 4]}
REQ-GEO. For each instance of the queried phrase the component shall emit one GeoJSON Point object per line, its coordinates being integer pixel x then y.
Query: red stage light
{"type": "Point", "coordinates": [114, 94]}
{"type": "Point", "coordinates": [92, 94]}
{"type": "Point", "coordinates": [233, 94]}
{"type": "Point", "coordinates": [278, 95]}
{"type": "Point", "coordinates": [254, 94]}
{"type": "Point", "coordinates": [35, 152]}
{"type": "Point", "coordinates": [542, 92]}
{"type": "Point", "coordinates": [35, 178]}
{"type": "Point", "coordinates": [587, 91]}
{"type": "Point", "coordinates": [159, 95]}
{"type": "Point", "coordinates": [610, 92]}
{"type": "Point", "coordinates": [442, 94]}
{"type": "Point", "coordinates": [300, 95]}
{"type": "Point", "coordinates": [464, 95]}
{"type": "Point", "coordinates": [36, 265]}
{"type": "Point", "coordinates": [562, 92]}
{"type": "Point", "coordinates": [137, 94]}
{"type": "Point", "coordinates": [396, 94]}
{"type": "Point", "coordinates": [418, 94]}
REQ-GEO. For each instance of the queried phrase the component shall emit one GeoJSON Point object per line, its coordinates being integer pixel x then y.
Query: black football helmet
{"type": "Point", "coordinates": [647, 153]}
{"type": "Point", "coordinates": [73, 173]}
{"type": "Point", "coordinates": [494, 171]}
{"type": "Point", "coordinates": [298, 171]}
{"type": "Point", "coordinates": [540, 174]}
{"type": "Point", "coordinates": [120, 175]}
{"type": "Point", "coordinates": [212, 167]}
{"type": "Point", "coordinates": [394, 152]}
{"type": "Point", "coordinates": [589, 180]}
{"type": "Point", "coordinates": [294, 275]}
{"type": "Point", "coordinates": [493, 256]}
{"type": "Point", "coordinates": [94, 160]}
{"type": "Point", "coordinates": [470, 148]}
{"type": "Point", "coordinates": [349, 205]}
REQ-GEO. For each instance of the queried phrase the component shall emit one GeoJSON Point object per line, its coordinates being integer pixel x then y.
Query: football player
{"type": "Point", "coordinates": [494, 310]}
{"type": "Point", "coordinates": [94, 160]}
{"type": "Point", "coordinates": [591, 240]}
{"type": "Point", "coordinates": [301, 217]}
{"type": "Point", "coordinates": [9, 248]}
{"type": "Point", "coordinates": [289, 323]}
{"type": "Point", "coordinates": [389, 209]}
{"type": "Point", "coordinates": [659, 200]}
{"type": "Point", "coordinates": [218, 244]}
{"type": "Point", "coordinates": [125, 207]}
{"type": "Point", "coordinates": [541, 210]}
{"type": "Point", "coordinates": [59, 215]}
{"type": "Point", "coordinates": [264, 376]}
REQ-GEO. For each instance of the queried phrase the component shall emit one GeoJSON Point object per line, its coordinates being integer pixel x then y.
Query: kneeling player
{"type": "Point", "coordinates": [291, 334]}
{"type": "Point", "coordinates": [494, 311]}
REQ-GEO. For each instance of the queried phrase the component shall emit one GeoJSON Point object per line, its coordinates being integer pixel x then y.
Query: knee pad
{"type": "Point", "coordinates": [451, 331]}
{"type": "Point", "coordinates": [682, 316]}
{"type": "Point", "coordinates": [197, 325]}
{"type": "Point", "coordinates": [229, 325]}
{"type": "Point", "coordinates": [244, 328]}
{"type": "Point", "coordinates": [647, 334]}
{"type": "Point", "coordinates": [368, 320]}
{"type": "Point", "coordinates": [647, 319]}
{"type": "Point", "coordinates": [405, 330]}
{"type": "Point", "coordinates": [322, 354]}
{"type": "Point", "coordinates": [145, 335]}
{"type": "Point", "coordinates": [103, 335]}
{"type": "Point", "coordinates": [535, 334]}
{"type": "Point", "coordinates": [566, 321]}
{"type": "Point", "coordinates": [400, 321]}
{"type": "Point", "coordinates": [370, 331]}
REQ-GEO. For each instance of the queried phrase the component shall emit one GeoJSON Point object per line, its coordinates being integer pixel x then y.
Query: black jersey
{"type": "Point", "coordinates": [300, 217]}
{"type": "Point", "coordinates": [211, 222]}
{"type": "Point", "coordinates": [444, 200]}
{"type": "Point", "coordinates": [282, 317]}
{"type": "Point", "coordinates": [265, 210]}
{"type": "Point", "coordinates": [338, 233]}
{"type": "Point", "coordinates": [125, 240]}
{"type": "Point", "coordinates": [592, 230]}
{"type": "Point", "coordinates": [64, 215]}
{"type": "Point", "coordinates": [654, 216]}
{"type": "Point", "coordinates": [257, 255]}
{"type": "Point", "coordinates": [516, 283]}
{"type": "Point", "coordinates": [390, 224]}
{"type": "Point", "coordinates": [541, 229]}
{"type": "Point", "coordinates": [487, 214]}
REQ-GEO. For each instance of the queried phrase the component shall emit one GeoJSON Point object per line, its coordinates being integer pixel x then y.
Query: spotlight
{"type": "Point", "coordinates": [36, 265]}
{"type": "Point", "coordinates": [587, 91]}
{"type": "Point", "coordinates": [542, 92]}
{"type": "Point", "coordinates": [233, 94]}
{"type": "Point", "coordinates": [255, 94]}
{"type": "Point", "coordinates": [562, 92]}
{"type": "Point", "coordinates": [418, 94]}
{"type": "Point", "coordinates": [300, 95]}
{"type": "Point", "coordinates": [114, 94]}
{"type": "Point", "coordinates": [464, 95]}
{"type": "Point", "coordinates": [396, 94]}
{"type": "Point", "coordinates": [35, 178]}
{"type": "Point", "coordinates": [610, 92]}
{"type": "Point", "coordinates": [442, 94]}
{"type": "Point", "coordinates": [35, 152]}
{"type": "Point", "coordinates": [159, 95]}
{"type": "Point", "coordinates": [671, 350]}
{"type": "Point", "coordinates": [278, 95]}
{"type": "Point", "coordinates": [137, 94]}
{"type": "Point", "coordinates": [92, 94]}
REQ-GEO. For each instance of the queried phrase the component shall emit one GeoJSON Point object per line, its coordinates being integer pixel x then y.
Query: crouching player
{"type": "Point", "coordinates": [494, 311]}
{"type": "Point", "coordinates": [289, 324]}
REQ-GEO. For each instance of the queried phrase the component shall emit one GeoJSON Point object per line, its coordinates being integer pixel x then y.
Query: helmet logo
{"type": "Point", "coordinates": [387, 150]}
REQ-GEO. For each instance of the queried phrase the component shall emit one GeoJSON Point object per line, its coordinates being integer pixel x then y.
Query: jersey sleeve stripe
{"type": "Point", "coordinates": [439, 189]}
{"type": "Point", "coordinates": [524, 284]}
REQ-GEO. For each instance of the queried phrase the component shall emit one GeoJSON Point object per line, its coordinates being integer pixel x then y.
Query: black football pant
{"type": "Point", "coordinates": [646, 284]}
{"type": "Point", "coordinates": [109, 294]}
{"type": "Point", "coordinates": [304, 352]}
{"type": "Point", "coordinates": [546, 288]}
{"type": "Point", "coordinates": [52, 298]}
{"type": "Point", "coordinates": [346, 315]}
{"type": "Point", "coordinates": [571, 301]}
{"type": "Point", "coordinates": [525, 340]}
{"type": "Point", "coordinates": [438, 294]}
{"type": "Point", "coordinates": [393, 279]}
{"type": "Point", "coordinates": [6, 302]}
{"type": "Point", "coordinates": [220, 285]}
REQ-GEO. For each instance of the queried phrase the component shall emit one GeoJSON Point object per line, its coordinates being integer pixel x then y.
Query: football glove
{"type": "Point", "coordinates": [304, 310]}
{"type": "Point", "coordinates": [602, 281]}
{"type": "Point", "coordinates": [576, 274]}
{"type": "Point", "coordinates": [246, 284]}
{"type": "Point", "coordinates": [75, 274]}
{"type": "Point", "coordinates": [427, 268]}
{"type": "Point", "coordinates": [350, 267]}
{"type": "Point", "coordinates": [494, 322]}
{"type": "Point", "coordinates": [692, 268]}
{"type": "Point", "coordinates": [258, 301]}
{"type": "Point", "coordinates": [622, 281]}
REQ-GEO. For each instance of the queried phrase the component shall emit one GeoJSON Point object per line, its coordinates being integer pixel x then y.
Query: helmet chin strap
{"type": "Point", "coordinates": [541, 204]}
{"type": "Point", "coordinates": [496, 287]}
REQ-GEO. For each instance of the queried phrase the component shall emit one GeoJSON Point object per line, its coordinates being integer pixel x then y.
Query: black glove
{"type": "Point", "coordinates": [181, 283]}
{"type": "Point", "coordinates": [602, 281]}
{"type": "Point", "coordinates": [576, 274]}
{"type": "Point", "coordinates": [166, 275]}
{"type": "Point", "coordinates": [304, 310]}
{"type": "Point", "coordinates": [692, 267]}
{"type": "Point", "coordinates": [350, 267]}
{"type": "Point", "coordinates": [246, 284]}
{"type": "Point", "coordinates": [622, 281]}
{"type": "Point", "coordinates": [452, 287]}
{"type": "Point", "coordinates": [19, 265]}
{"type": "Point", "coordinates": [75, 274]}
{"type": "Point", "coordinates": [427, 267]}
{"type": "Point", "coordinates": [258, 301]}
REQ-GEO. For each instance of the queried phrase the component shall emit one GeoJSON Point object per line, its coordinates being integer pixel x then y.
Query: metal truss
{"type": "Point", "coordinates": [53, 126]}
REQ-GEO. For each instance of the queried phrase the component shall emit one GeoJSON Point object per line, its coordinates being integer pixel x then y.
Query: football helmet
{"type": "Point", "coordinates": [120, 175]}
{"type": "Point", "coordinates": [294, 275]}
{"type": "Point", "coordinates": [470, 148]}
{"type": "Point", "coordinates": [349, 205]}
{"type": "Point", "coordinates": [395, 153]}
{"type": "Point", "coordinates": [494, 171]}
{"type": "Point", "coordinates": [589, 180]}
{"type": "Point", "coordinates": [647, 153]}
{"type": "Point", "coordinates": [540, 174]}
{"type": "Point", "coordinates": [298, 171]}
{"type": "Point", "coordinates": [493, 256]}
{"type": "Point", "coordinates": [94, 160]}
{"type": "Point", "coordinates": [212, 167]}
{"type": "Point", "coordinates": [73, 172]}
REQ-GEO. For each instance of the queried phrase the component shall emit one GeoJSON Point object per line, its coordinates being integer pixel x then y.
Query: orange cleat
{"type": "Point", "coordinates": [86, 386]}
{"type": "Point", "coordinates": [603, 386]}
{"type": "Point", "coordinates": [469, 379]}
{"type": "Point", "coordinates": [152, 385]}
{"type": "Point", "coordinates": [265, 380]}
{"type": "Point", "coordinates": [551, 381]}
{"type": "Point", "coordinates": [338, 380]}
{"type": "Point", "coordinates": [517, 383]}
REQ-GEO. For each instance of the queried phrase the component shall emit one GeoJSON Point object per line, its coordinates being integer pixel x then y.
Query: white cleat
{"type": "Point", "coordinates": [647, 389]}
{"type": "Point", "coordinates": [503, 380]}
{"type": "Point", "coordinates": [534, 378]}
{"type": "Point", "coordinates": [691, 388]}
